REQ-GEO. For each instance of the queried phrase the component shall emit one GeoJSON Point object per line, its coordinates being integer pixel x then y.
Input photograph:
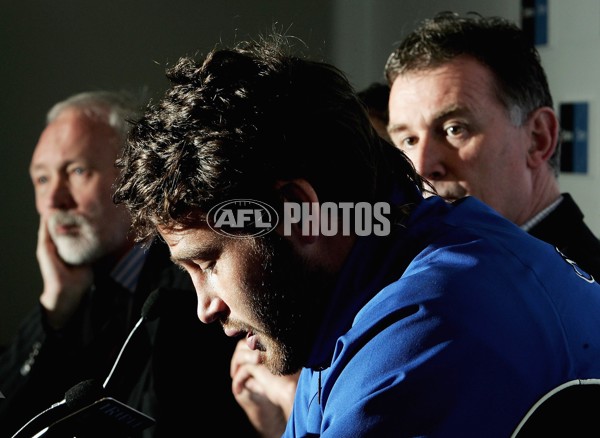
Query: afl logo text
{"type": "Point", "coordinates": [242, 218]}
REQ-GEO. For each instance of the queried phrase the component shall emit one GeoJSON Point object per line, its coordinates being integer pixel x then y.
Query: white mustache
{"type": "Point", "coordinates": [63, 218]}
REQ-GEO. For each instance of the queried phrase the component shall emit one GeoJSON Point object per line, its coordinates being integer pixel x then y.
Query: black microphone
{"type": "Point", "coordinates": [150, 311]}
{"type": "Point", "coordinates": [76, 397]}
{"type": "Point", "coordinates": [151, 308]}
{"type": "Point", "coordinates": [88, 391]}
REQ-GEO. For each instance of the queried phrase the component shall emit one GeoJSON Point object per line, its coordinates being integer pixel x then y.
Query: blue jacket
{"type": "Point", "coordinates": [453, 326]}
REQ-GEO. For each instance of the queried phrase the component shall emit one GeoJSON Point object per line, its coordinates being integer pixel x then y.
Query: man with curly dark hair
{"type": "Point", "coordinates": [309, 235]}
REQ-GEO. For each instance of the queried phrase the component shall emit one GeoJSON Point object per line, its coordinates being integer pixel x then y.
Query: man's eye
{"type": "Point", "coordinates": [408, 142]}
{"type": "Point", "coordinates": [454, 130]}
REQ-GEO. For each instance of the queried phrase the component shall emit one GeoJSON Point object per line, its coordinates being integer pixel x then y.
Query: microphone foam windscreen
{"type": "Point", "coordinates": [83, 393]}
{"type": "Point", "coordinates": [151, 307]}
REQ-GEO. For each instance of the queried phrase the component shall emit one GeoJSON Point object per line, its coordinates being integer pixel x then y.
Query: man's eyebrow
{"type": "Point", "coordinates": [450, 111]}
{"type": "Point", "coordinates": [396, 127]}
{"type": "Point", "coordinates": [38, 167]}
{"type": "Point", "coordinates": [453, 110]}
{"type": "Point", "coordinates": [200, 252]}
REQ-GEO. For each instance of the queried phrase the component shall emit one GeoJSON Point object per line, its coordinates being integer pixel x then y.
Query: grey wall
{"type": "Point", "coordinates": [51, 49]}
{"type": "Point", "coordinates": [365, 32]}
{"type": "Point", "coordinates": [572, 61]}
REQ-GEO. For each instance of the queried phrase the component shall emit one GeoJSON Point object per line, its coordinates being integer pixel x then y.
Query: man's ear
{"type": "Point", "coordinates": [301, 211]}
{"type": "Point", "coordinates": [543, 126]}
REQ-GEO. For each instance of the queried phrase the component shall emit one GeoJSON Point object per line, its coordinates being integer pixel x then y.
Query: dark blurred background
{"type": "Point", "coordinates": [51, 49]}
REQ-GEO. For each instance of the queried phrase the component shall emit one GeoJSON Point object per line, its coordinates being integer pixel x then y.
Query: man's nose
{"type": "Point", "coordinates": [210, 308]}
{"type": "Point", "coordinates": [428, 158]}
{"type": "Point", "coordinates": [59, 195]}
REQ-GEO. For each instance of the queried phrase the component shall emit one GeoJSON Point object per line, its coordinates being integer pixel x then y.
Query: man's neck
{"type": "Point", "coordinates": [540, 216]}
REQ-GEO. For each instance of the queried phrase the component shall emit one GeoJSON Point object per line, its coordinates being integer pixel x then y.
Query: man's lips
{"type": "Point", "coordinates": [232, 332]}
{"type": "Point", "coordinates": [251, 341]}
{"type": "Point", "coordinates": [66, 229]}
{"type": "Point", "coordinates": [251, 338]}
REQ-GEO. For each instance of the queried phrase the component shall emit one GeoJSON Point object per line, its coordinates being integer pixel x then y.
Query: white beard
{"type": "Point", "coordinates": [81, 247]}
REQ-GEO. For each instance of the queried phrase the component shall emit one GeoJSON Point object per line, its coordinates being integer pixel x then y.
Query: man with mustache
{"type": "Point", "coordinates": [308, 234]}
{"type": "Point", "coordinates": [95, 281]}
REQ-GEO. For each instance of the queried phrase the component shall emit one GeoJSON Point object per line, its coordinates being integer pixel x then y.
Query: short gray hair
{"type": "Point", "coordinates": [118, 109]}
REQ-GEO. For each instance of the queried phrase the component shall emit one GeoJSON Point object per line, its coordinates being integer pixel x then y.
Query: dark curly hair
{"type": "Point", "coordinates": [244, 118]}
{"type": "Point", "coordinates": [497, 43]}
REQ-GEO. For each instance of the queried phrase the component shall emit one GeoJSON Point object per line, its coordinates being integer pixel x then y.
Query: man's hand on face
{"type": "Point", "coordinates": [64, 285]}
